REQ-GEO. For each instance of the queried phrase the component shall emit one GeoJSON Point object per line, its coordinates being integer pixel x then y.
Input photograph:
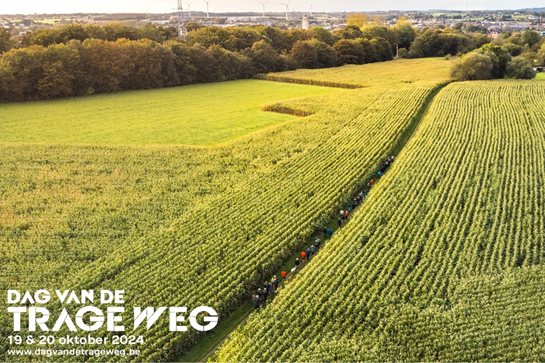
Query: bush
{"type": "Point", "coordinates": [520, 68]}
{"type": "Point", "coordinates": [473, 66]}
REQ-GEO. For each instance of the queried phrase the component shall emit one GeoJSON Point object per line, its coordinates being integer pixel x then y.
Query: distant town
{"type": "Point", "coordinates": [491, 23]}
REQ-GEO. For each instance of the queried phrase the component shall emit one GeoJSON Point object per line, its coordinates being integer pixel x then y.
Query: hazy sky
{"type": "Point", "coordinates": [162, 6]}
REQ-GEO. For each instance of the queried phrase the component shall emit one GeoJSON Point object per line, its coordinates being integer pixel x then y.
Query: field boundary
{"type": "Point", "coordinates": [278, 108]}
{"type": "Point", "coordinates": [309, 82]}
{"type": "Point", "coordinates": [396, 149]}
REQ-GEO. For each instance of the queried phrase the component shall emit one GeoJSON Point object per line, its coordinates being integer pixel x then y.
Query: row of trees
{"type": "Point", "coordinates": [492, 62]}
{"type": "Point", "coordinates": [78, 60]}
{"type": "Point", "coordinates": [68, 61]}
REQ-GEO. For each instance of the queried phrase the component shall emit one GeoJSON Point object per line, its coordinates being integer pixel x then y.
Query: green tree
{"type": "Point", "coordinates": [115, 31]}
{"type": "Point", "coordinates": [61, 66]}
{"type": "Point", "coordinates": [479, 40]}
{"type": "Point", "coordinates": [349, 32]}
{"type": "Point", "coordinates": [95, 32]}
{"type": "Point", "coordinates": [322, 35]}
{"type": "Point", "coordinates": [304, 54]}
{"type": "Point", "coordinates": [70, 32]}
{"type": "Point", "coordinates": [241, 38]}
{"type": "Point", "coordinates": [205, 64]}
{"type": "Point", "coordinates": [374, 31]}
{"type": "Point", "coordinates": [6, 78]}
{"type": "Point", "coordinates": [503, 59]}
{"type": "Point", "coordinates": [326, 56]}
{"type": "Point", "coordinates": [513, 49]}
{"type": "Point", "coordinates": [24, 69]}
{"type": "Point", "coordinates": [369, 50]}
{"type": "Point", "coordinates": [186, 71]}
{"type": "Point", "coordinates": [154, 33]}
{"type": "Point", "coordinates": [541, 56]}
{"type": "Point", "coordinates": [530, 37]}
{"type": "Point", "coordinates": [105, 63]}
{"type": "Point", "coordinates": [349, 51]}
{"type": "Point", "coordinates": [520, 68]}
{"type": "Point", "coordinates": [208, 36]}
{"type": "Point", "coordinates": [405, 32]}
{"type": "Point", "coordinates": [265, 58]}
{"type": "Point", "coordinates": [226, 62]}
{"type": "Point", "coordinates": [427, 44]}
{"type": "Point", "coordinates": [295, 35]}
{"type": "Point", "coordinates": [5, 40]}
{"type": "Point", "coordinates": [277, 38]}
{"type": "Point", "coordinates": [472, 66]}
{"type": "Point", "coordinates": [383, 49]}
{"type": "Point", "coordinates": [43, 37]}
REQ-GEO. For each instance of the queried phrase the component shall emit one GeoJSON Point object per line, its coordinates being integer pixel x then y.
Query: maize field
{"type": "Point", "coordinates": [443, 260]}
{"type": "Point", "coordinates": [190, 226]}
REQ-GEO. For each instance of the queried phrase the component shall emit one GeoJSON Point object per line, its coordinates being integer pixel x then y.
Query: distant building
{"type": "Point", "coordinates": [305, 25]}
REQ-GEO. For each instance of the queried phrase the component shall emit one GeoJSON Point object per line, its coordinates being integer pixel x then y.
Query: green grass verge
{"type": "Point", "coordinates": [540, 76]}
{"type": "Point", "coordinates": [205, 114]}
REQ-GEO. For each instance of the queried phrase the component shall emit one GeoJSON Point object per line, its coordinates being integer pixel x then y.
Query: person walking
{"type": "Point", "coordinates": [256, 301]}
{"type": "Point", "coordinates": [284, 274]}
{"type": "Point", "coordinates": [312, 249]}
{"type": "Point", "coordinates": [308, 253]}
{"type": "Point", "coordinates": [296, 262]}
{"type": "Point", "coordinates": [274, 282]}
{"type": "Point", "coordinates": [303, 256]}
{"type": "Point", "coordinates": [340, 221]}
{"type": "Point", "coordinates": [265, 294]}
{"type": "Point", "coordinates": [329, 232]}
{"type": "Point", "coordinates": [324, 231]}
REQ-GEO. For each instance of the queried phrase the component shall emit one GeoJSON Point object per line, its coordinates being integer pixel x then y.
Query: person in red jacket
{"type": "Point", "coordinates": [303, 255]}
{"type": "Point", "coordinates": [284, 274]}
{"type": "Point", "coordinates": [372, 182]}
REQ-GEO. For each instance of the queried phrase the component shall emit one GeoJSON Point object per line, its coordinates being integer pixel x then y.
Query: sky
{"type": "Point", "coordinates": [165, 6]}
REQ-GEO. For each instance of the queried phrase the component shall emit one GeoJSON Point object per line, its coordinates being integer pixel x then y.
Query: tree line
{"type": "Point", "coordinates": [75, 60]}
{"type": "Point", "coordinates": [512, 56]}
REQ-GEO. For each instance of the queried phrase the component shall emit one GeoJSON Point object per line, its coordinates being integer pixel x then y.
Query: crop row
{"type": "Point", "coordinates": [463, 198]}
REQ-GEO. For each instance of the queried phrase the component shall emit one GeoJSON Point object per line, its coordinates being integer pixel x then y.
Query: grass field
{"type": "Point", "coordinates": [440, 262]}
{"type": "Point", "coordinates": [204, 114]}
{"type": "Point", "coordinates": [540, 76]}
{"type": "Point", "coordinates": [175, 225]}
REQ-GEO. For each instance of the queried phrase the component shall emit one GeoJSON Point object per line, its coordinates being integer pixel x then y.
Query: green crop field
{"type": "Point", "coordinates": [195, 115]}
{"type": "Point", "coordinates": [404, 71]}
{"type": "Point", "coordinates": [540, 76]}
{"type": "Point", "coordinates": [443, 262]}
{"type": "Point", "coordinates": [176, 225]}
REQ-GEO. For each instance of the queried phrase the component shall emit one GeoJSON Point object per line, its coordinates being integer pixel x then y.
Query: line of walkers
{"type": "Point", "coordinates": [270, 287]}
